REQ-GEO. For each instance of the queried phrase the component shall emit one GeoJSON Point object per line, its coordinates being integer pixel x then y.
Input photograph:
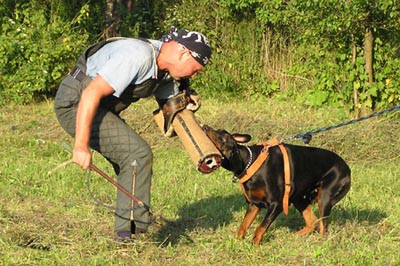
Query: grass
{"type": "Point", "coordinates": [51, 219]}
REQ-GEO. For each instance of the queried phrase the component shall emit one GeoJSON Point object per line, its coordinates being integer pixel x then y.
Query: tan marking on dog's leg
{"type": "Point", "coordinates": [251, 214]}
{"type": "Point", "coordinates": [321, 221]}
{"type": "Point", "coordinates": [258, 235]}
{"type": "Point", "coordinates": [310, 219]}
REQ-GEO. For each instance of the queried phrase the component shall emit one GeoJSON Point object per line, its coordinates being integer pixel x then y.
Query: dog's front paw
{"type": "Point", "coordinates": [241, 233]}
{"type": "Point", "coordinates": [257, 240]}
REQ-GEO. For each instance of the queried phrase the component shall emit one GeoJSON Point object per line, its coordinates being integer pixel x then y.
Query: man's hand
{"type": "Point", "coordinates": [194, 102]}
{"type": "Point", "coordinates": [193, 99]}
{"type": "Point", "coordinates": [82, 157]}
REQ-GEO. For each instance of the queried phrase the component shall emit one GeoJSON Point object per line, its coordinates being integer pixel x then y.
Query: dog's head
{"type": "Point", "coordinates": [228, 145]}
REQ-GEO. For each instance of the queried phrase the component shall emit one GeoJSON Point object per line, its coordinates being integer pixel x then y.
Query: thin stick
{"type": "Point", "coordinates": [59, 166]}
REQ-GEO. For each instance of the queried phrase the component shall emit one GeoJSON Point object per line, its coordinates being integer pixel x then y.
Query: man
{"type": "Point", "coordinates": [107, 78]}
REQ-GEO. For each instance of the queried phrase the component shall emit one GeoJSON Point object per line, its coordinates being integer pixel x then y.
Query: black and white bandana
{"type": "Point", "coordinates": [194, 41]}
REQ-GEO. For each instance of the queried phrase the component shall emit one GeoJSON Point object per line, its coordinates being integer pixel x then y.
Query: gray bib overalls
{"type": "Point", "coordinates": [113, 138]}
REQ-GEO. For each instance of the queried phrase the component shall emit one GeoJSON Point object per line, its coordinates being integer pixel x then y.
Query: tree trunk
{"type": "Point", "coordinates": [355, 90]}
{"type": "Point", "coordinates": [266, 50]}
{"type": "Point", "coordinates": [128, 5]}
{"type": "Point", "coordinates": [113, 18]}
{"type": "Point", "coordinates": [368, 55]}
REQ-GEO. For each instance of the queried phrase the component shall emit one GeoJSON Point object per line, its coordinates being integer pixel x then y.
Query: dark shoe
{"type": "Point", "coordinates": [123, 236]}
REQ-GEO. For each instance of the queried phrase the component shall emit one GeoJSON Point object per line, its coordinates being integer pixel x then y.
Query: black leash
{"type": "Point", "coordinates": [307, 136]}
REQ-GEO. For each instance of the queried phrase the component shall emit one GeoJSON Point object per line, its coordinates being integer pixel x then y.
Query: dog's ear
{"type": "Point", "coordinates": [241, 138]}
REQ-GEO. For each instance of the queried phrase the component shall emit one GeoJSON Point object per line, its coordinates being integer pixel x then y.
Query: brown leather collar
{"type": "Point", "coordinates": [248, 173]}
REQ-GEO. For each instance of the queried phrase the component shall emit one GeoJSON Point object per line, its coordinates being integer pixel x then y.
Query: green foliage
{"type": "Point", "coordinates": [36, 49]}
{"type": "Point", "coordinates": [309, 50]}
{"type": "Point", "coordinates": [324, 33]}
{"type": "Point", "coordinates": [145, 19]}
{"type": "Point", "coordinates": [303, 49]}
{"type": "Point", "coordinates": [236, 38]}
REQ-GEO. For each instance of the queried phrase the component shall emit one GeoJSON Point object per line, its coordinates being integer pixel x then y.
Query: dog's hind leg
{"type": "Point", "coordinates": [305, 208]}
{"type": "Point", "coordinates": [310, 219]}
{"type": "Point", "coordinates": [332, 190]}
{"type": "Point", "coordinates": [251, 214]}
{"type": "Point", "coordinates": [324, 209]}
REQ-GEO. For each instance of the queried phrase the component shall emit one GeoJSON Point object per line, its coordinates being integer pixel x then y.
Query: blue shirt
{"type": "Point", "coordinates": [129, 61]}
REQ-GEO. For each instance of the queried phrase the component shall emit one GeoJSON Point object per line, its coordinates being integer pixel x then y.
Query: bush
{"type": "Point", "coordinates": [259, 50]}
{"type": "Point", "coordinates": [37, 49]}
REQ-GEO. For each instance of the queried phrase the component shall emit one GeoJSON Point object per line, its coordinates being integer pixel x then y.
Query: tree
{"type": "Point", "coordinates": [113, 18]}
{"type": "Point", "coordinates": [344, 44]}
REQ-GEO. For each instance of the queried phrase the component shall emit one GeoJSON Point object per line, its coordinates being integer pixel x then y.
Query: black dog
{"type": "Point", "coordinates": [316, 175]}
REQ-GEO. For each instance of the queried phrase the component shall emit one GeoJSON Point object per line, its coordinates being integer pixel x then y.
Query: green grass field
{"type": "Point", "coordinates": [52, 219]}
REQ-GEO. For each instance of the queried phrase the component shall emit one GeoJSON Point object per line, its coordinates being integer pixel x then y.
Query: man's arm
{"type": "Point", "coordinates": [88, 104]}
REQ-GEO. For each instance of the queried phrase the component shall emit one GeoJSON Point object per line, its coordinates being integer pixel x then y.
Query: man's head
{"type": "Point", "coordinates": [184, 53]}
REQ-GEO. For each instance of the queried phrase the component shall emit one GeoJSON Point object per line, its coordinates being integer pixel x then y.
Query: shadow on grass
{"type": "Point", "coordinates": [209, 213]}
{"type": "Point", "coordinates": [339, 215]}
{"type": "Point", "coordinates": [218, 211]}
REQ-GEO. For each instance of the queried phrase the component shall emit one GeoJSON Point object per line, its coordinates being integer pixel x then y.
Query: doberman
{"type": "Point", "coordinates": [315, 175]}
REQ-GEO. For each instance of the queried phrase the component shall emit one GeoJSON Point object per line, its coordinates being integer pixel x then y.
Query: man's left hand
{"type": "Point", "coordinates": [194, 101]}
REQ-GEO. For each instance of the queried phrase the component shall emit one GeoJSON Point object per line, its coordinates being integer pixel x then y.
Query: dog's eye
{"type": "Point", "coordinates": [224, 138]}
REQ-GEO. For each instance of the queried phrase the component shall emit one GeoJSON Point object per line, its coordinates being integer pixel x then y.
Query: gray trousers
{"type": "Point", "coordinates": [121, 146]}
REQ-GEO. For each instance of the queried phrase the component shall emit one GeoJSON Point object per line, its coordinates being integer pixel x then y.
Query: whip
{"type": "Point", "coordinates": [105, 176]}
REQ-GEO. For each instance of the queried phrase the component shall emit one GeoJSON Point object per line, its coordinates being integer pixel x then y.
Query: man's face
{"type": "Point", "coordinates": [185, 67]}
